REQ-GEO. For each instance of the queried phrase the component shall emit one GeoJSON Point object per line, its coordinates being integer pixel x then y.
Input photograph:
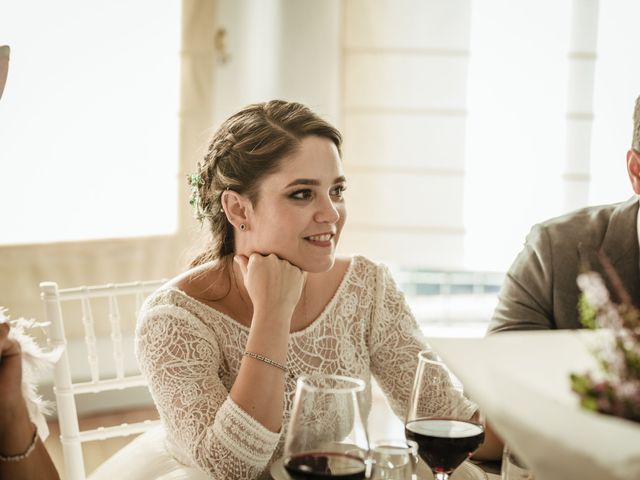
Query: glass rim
{"type": "Point", "coordinates": [358, 385]}
{"type": "Point", "coordinates": [395, 443]}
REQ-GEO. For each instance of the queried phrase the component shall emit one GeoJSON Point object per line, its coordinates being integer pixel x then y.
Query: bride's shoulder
{"type": "Point", "coordinates": [358, 265]}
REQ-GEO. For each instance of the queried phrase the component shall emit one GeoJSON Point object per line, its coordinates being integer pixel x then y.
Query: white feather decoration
{"type": "Point", "coordinates": [35, 363]}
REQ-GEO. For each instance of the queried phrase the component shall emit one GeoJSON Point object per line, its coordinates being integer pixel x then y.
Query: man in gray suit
{"type": "Point", "coordinates": [540, 290]}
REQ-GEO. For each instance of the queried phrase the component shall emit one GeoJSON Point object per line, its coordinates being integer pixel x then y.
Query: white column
{"type": "Point", "coordinates": [197, 66]}
{"type": "Point", "coordinates": [287, 49]}
{"type": "Point", "coordinates": [581, 68]}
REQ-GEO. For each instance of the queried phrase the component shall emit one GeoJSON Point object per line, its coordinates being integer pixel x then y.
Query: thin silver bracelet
{"type": "Point", "coordinates": [266, 360]}
{"type": "Point", "coordinates": [27, 452]}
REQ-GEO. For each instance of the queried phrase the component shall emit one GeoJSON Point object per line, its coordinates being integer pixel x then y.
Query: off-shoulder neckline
{"type": "Point", "coordinates": [330, 304]}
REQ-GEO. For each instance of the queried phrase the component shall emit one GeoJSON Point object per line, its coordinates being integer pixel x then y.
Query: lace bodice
{"type": "Point", "coordinates": [191, 354]}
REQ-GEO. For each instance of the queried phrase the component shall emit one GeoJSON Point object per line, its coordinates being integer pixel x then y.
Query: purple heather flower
{"type": "Point", "coordinates": [629, 390]}
{"type": "Point", "coordinates": [616, 387]}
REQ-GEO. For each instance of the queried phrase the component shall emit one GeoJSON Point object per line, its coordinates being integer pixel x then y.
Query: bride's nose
{"type": "Point", "coordinates": [327, 211]}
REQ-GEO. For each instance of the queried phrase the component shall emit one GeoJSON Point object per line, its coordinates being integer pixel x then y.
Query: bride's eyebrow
{"type": "Point", "coordinates": [303, 181]}
{"type": "Point", "coordinates": [314, 182]}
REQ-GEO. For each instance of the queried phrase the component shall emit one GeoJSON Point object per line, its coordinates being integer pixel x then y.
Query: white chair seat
{"type": "Point", "coordinates": [146, 457]}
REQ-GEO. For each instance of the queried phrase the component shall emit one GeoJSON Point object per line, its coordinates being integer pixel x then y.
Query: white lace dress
{"type": "Point", "coordinates": [191, 354]}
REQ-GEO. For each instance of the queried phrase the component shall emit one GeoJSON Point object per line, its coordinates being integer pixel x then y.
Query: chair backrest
{"type": "Point", "coordinates": [110, 297]}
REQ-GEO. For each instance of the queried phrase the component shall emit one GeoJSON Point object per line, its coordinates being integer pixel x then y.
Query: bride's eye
{"type": "Point", "coordinates": [304, 194]}
{"type": "Point", "coordinates": [338, 191]}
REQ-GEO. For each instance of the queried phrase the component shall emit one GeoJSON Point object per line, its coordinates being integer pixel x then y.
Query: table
{"type": "Point", "coordinates": [521, 382]}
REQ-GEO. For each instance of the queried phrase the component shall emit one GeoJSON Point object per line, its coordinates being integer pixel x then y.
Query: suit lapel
{"type": "Point", "coordinates": [620, 245]}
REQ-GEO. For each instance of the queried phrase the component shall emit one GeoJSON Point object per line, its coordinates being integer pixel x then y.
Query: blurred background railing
{"type": "Point", "coordinates": [451, 304]}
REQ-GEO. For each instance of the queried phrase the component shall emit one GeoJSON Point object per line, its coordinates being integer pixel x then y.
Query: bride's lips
{"type": "Point", "coordinates": [321, 239]}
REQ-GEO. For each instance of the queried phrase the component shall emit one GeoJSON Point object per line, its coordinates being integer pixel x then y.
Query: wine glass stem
{"type": "Point", "coordinates": [442, 476]}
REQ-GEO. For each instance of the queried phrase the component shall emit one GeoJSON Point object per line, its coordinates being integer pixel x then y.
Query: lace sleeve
{"type": "Point", "coordinates": [395, 341]}
{"type": "Point", "coordinates": [180, 358]}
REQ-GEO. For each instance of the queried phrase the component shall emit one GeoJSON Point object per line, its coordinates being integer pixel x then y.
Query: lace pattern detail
{"type": "Point", "coordinates": [191, 354]}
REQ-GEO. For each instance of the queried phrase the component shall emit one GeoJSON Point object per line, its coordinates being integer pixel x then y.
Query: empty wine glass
{"type": "Point", "coordinates": [327, 437]}
{"type": "Point", "coordinates": [435, 421]}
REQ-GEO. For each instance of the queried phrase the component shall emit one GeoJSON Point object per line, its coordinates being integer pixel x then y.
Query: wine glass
{"type": "Point", "coordinates": [436, 420]}
{"type": "Point", "coordinates": [327, 437]}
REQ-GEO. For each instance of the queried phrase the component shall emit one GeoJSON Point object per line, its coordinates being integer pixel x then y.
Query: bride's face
{"type": "Point", "coordinates": [300, 209]}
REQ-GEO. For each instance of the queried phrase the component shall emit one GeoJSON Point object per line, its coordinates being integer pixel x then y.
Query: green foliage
{"type": "Point", "coordinates": [579, 383]}
{"type": "Point", "coordinates": [587, 313]}
{"type": "Point", "coordinates": [632, 360]}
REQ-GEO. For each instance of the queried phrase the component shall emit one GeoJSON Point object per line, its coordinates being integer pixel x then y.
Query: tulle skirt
{"type": "Point", "coordinates": [146, 458]}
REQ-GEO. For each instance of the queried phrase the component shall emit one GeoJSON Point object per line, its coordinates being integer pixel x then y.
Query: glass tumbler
{"type": "Point", "coordinates": [393, 459]}
{"type": "Point", "coordinates": [513, 468]}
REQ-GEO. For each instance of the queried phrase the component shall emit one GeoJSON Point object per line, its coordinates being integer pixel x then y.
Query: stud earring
{"type": "Point", "coordinates": [243, 227]}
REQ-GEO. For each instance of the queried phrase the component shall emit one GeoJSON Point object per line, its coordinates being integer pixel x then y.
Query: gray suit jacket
{"type": "Point", "coordinates": [540, 290]}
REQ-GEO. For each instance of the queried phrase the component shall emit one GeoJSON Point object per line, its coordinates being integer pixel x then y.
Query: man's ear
{"type": "Point", "coordinates": [237, 208]}
{"type": "Point", "coordinates": [4, 66]}
{"type": "Point", "coordinates": [633, 169]}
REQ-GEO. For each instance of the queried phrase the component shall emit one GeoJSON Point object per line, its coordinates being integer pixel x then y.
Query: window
{"type": "Point", "coordinates": [468, 122]}
{"type": "Point", "coordinates": [515, 144]}
{"type": "Point", "coordinates": [89, 120]}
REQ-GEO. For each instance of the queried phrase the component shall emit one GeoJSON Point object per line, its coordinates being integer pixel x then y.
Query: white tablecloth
{"type": "Point", "coordinates": [521, 382]}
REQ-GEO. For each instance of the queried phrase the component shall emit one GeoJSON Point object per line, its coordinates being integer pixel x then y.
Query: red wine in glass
{"type": "Point", "coordinates": [325, 465]}
{"type": "Point", "coordinates": [327, 437]}
{"type": "Point", "coordinates": [444, 443]}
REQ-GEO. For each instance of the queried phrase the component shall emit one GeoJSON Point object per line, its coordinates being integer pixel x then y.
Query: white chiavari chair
{"type": "Point", "coordinates": [105, 375]}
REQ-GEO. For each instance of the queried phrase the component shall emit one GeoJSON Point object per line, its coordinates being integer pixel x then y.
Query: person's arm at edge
{"type": "Point", "coordinates": [16, 429]}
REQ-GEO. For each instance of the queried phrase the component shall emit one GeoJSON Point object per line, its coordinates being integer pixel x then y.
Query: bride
{"type": "Point", "coordinates": [268, 300]}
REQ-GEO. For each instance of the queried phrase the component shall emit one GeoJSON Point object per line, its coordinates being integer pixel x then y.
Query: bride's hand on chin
{"type": "Point", "coordinates": [273, 284]}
